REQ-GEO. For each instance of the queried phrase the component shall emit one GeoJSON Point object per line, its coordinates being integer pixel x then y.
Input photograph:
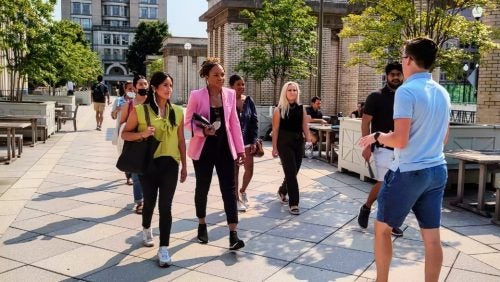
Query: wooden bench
{"type": "Point", "coordinates": [19, 141]}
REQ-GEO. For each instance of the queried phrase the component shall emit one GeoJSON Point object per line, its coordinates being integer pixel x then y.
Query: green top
{"type": "Point", "coordinates": [164, 131]}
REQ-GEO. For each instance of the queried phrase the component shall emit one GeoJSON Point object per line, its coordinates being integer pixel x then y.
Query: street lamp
{"type": "Point", "coordinates": [477, 12]}
{"type": "Point", "coordinates": [320, 48]}
{"type": "Point", "coordinates": [187, 46]}
{"type": "Point", "coordinates": [466, 69]}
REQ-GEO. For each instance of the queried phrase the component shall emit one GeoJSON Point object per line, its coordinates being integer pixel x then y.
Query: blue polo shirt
{"type": "Point", "coordinates": [427, 104]}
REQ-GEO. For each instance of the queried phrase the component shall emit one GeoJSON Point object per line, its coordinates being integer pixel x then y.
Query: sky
{"type": "Point", "coordinates": [182, 17]}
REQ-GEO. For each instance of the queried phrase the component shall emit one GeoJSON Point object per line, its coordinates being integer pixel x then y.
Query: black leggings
{"type": "Point", "coordinates": [203, 168]}
{"type": "Point", "coordinates": [291, 150]}
{"type": "Point", "coordinates": [162, 178]}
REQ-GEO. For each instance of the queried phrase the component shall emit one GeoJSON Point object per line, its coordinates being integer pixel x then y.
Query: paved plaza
{"type": "Point", "coordinates": [66, 213]}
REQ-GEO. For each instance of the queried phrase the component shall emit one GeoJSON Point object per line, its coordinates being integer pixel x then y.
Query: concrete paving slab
{"type": "Point", "coordinates": [336, 259]}
{"type": "Point", "coordinates": [299, 272]}
{"type": "Point", "coordinates": [11, 207]}
{"type": "Point", "coordinates": [87, 232]}
{"type": "Point", "coordinates": [414, 250]}
{"type": "Point", "coordinates": [7, 264]}
{"type": "Point", "coordinates": [13, 235]}
{"type": "Point", "coordinates": [492, 259]}
{"type": "Point", "coordinates": [486, 234]}
{"type": "Point", "coordinates": [277, 247]}
{"type": "Point", "coordinates": [18, 194]}
{"type": "Point", "coordinates": [463, 244]}
{"type": "Point", "coordinates": [35, 249]}
{"type": "Point", "coordinates": [5, 221]}
{"type": "Point", "coordinates": [405, 270]}
{"type": "Point", "coordinates": [351, 239]}
{"type": "Point", "coordinates": [137, 269]}
{"type": "Point", "coordinates": [46, 224]}
{"type": "Point", "coordinates": [128, 242]}
{"type": "Point", "coordinates": [24, 183]}
{"type": "Point", "coordinates": [327, 218]}
{"type": "Point", "coordinates": [219, 236]}
{"type": "Point", "coordinates": [93, 212]}
{"type": "Point", "coordinates": [469, 263]}
{"type": "Point", "coordinates": [30, 273]}
{"type": "Point", "coordinates": [81, 262]}
{"type": "Point", "coordinates": [259, 224]}
{"type": "Point", "coordinates": [51, 204]}
{"type": "Point", "coordinates": [458, 275]}
{"type": "Point", "coordinates": [198, 276]}
{"type": "Point", "coordinates": [27, 213]}
{"type": "Point", "coordinates": [302, 231]}
{"type": "Point", "coordinates": [239, 265]}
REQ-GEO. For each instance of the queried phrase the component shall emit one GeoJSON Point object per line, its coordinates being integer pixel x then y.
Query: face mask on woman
{"type": "Point", "coordinates": [142, 92]}
{"type": "Point", "coordinates": [131, 95]}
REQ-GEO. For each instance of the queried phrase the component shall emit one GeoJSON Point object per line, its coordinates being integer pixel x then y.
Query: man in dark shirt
{"type": "Point", "coordinates": [378, 112]}
{"type": "Point", "coordinates": [316, 116]}
{"type": "Point", "coordinates": [98, 94]}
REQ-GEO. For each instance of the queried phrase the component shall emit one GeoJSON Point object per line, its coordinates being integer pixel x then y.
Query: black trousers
{"type": "Point", "coordinates": [291, 150]}
{"type": "Point", "coordinates": [160, 179]}
{"type": "Point", "coordinates": [224, 166]}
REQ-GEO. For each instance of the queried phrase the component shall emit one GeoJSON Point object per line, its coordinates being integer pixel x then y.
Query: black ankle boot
{"type": "Point", "coordinates": [202, 233]}
{"type": "Point", "coordinates": [234, 242]}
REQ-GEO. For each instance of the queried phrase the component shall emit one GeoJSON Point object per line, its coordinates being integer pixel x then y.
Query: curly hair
{"type": "Point", "coordinates": [208, 64]}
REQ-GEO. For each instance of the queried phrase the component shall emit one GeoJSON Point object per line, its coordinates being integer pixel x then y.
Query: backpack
{"type": "Point", "coordinates": [98, 93]}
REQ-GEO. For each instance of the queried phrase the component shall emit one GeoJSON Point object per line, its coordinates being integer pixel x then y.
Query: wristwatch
{"type": "Point", "coordinates": [377, 134]}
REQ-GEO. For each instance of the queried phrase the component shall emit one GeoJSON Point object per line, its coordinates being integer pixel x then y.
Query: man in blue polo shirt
{"type": "Point", "coordinates": [418, 175]}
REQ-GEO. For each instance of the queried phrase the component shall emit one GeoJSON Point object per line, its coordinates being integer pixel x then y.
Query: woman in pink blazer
{"type": "Point", "coordinates": [217, 144]}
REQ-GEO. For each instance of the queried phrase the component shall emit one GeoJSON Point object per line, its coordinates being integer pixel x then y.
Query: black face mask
{"type": "Point", "coordinates": [142, 92]}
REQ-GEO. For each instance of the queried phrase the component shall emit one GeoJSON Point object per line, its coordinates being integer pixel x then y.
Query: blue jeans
{"type": "Point", "coordinates": [138, 198]}
{"type": "Point", "coordinates": [419, 190]}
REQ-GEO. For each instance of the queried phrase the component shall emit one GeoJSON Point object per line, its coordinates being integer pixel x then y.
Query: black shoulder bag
{"type": "Point", "coordinates": [136, 156]}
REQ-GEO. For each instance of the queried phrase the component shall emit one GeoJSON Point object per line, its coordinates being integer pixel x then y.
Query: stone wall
{"type": "Point", "coordinates": [488, 98]}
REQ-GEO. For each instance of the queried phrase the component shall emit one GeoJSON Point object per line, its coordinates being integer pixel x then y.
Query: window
{"type": "Point", "coordinates": [107, 38]}
{"type": "Point", "coordinates": [148, 13]}
{"type": "Point", "coordinates": [86, 23]}
{"type": "Point", "coordinates": [76, 8]}
{"type": "Point", "coordinates": [125, 39]}
{"type": "Point", "coordinates": [115, 10]}
{"type": "Point", "coordinates": [86, 8]}
{"type": "Point", "coordinates": [151, 2]}
{"type": "Point", "coordinates": [180, 59]}
{"type": "Point", "coordinates": [89, 37]}
{"type": "Point", "coordinates": [116, 39]}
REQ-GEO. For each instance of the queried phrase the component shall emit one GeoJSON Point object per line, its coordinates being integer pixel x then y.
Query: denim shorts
{"type": "Point", "coordinates": [419, 190]}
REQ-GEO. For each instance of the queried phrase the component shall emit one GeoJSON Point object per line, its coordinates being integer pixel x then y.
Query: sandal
{"type": "Point", "coordinates": [294, 210]}
{"type": "Point", "coordinates": [282, 198]}
{"type": "Point", "coordinates": [138, 208]}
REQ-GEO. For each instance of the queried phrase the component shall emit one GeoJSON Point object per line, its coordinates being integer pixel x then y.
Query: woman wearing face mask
{"type": "Point", "coordinates": [161, 178]}
{"type": "Point", "coordinates": [116, 113]}
{"type": "Point", "coordinates": [139, 85]}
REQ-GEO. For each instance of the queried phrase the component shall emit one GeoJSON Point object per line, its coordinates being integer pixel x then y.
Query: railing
{"type": "Point", "coordinates": [459, 116]}
{"type": "Point", "coordinates": [460, 93]}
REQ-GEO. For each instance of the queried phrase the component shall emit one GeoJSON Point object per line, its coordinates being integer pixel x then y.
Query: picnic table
{"type": "Point", "coordinates": [33, 119]}
{"type": "Point", "coordinates": [11, 127]}
{"type": "Point", "coordinates": [487, 160]}
{"type": "Point", "coordinates": [329, 134]}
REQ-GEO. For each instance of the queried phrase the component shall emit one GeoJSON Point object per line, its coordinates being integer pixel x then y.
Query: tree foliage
{"type": "Point", "coordinates": [384, 25]}
{"type": "Point", "coordinates": [148, 41]}
{"type": "Point", "coordinates": [282, 40]}
{"type": "Point", "coordinates": [60, 54]}
{"type": "Point", "coordinates": [19, 20]}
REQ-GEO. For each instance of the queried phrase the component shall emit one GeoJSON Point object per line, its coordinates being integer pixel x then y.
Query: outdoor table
{"type": "Point", "coordinates": [325, 131]}
{"type": "Point", "coordinates": [487, 159]}
{"type": "Point", "coordinates": [11, 127]}
{"type": "Point", "coordinates": [31, 118]}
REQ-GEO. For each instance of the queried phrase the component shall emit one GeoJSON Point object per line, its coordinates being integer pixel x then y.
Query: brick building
{"type": "Point", "coordinates": [341, 87]}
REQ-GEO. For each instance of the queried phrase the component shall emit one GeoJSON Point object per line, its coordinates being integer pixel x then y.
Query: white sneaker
{"type": "Point", "coordinates": [244, 198]}
{"type": "Point", "coordinates": [164, 257]}
{"type": "Point", "coordinates": [241, 207]}
{"type": "Point", "coordinates": [147, 237]}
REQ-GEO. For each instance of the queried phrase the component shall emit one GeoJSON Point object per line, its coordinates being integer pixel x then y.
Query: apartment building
{"type": "Point", "coordinates": [110, 28]}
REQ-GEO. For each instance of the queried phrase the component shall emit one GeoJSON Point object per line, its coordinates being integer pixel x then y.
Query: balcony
{"type": "Point", "coordinates": [113, 58]}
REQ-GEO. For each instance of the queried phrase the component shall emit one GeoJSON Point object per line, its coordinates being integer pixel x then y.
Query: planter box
{"type": "Point", "coordinates": [83, 97]}
{"type": "Point", "coordinates": [68, 101]}
{"type": "Point", "coordinates": [265, 116]}
{"type": "Point", "coordinates": [32, 108]}
{"type": "Point", "coordinates": [477, 137]}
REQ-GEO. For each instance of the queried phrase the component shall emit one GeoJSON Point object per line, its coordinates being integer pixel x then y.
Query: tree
{"type": "Point", "coordinates": [384, 25]}
{"type": "Point", "coordinates": [148, 41]}
{"type": "Point", "coordinates": [60, 54]}
{"type": "Point", "coordinates": [282, 41]}
{"type": "Point", "coordinates": [19, 20]}
{"type": "Point", "coordinates": [155, 66]}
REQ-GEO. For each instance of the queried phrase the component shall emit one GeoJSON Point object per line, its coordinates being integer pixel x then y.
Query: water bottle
{"type": "Point", "coordinates": [308, 150]}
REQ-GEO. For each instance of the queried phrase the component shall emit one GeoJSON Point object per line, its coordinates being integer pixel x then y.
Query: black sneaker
{"type": "Point", "coordinates": [364, 214]}
{"type": "Point", "coordinates": [202, 233]}
{"type": "Point", "coordinates": [396, 232]}
{"type": "Point", "coordinates": [234, 242]}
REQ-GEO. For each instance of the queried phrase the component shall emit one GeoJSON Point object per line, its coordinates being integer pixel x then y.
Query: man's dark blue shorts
{"type": "Point", "coordinates": [419, 190]}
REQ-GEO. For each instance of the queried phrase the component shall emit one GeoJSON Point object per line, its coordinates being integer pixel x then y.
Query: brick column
{"type": "Point", "coordinates": [488, 97]}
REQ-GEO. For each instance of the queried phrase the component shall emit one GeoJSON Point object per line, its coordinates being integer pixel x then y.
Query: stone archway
{"type": "Point", "coordinates": [116, 69]}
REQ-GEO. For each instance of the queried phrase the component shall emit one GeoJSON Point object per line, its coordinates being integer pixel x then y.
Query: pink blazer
{"type": "Point", "coordinates": [199, 102]}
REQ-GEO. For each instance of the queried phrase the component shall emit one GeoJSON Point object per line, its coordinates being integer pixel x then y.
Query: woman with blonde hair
{"type": "Point", "coordinates": [289, 128]}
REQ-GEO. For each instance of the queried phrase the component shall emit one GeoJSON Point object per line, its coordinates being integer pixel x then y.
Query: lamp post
{"type": "Point", "coordinates": [477, 12]}
{"type": "Point", "coordinates": [466, 69]}
{"type": "Point", "coordinates": [187, 47]}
